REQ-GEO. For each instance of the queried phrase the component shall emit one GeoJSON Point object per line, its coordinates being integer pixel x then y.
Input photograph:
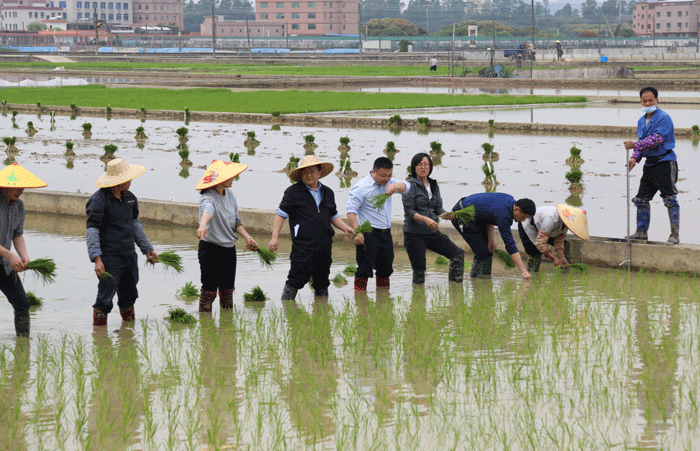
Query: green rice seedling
{"type": "Point", "coordinates": [14, 115]}
{"type": "Point", "coordinates": [390, 150]}
{"type": "Point", "coordinates": [109, 110]}
{"type": "Point", "coordinates": [182, 132]}
{"type": "Point", "coordinates": [45, 269]}
{"type": "Point", "coordinates": [309, 139]}
{"type": "Point", "coordinates": [34, 300]}
{"type": "Point", "coordinates": [184, 155]}
{"type": "Point", "coordinates": [187, 113]}
{"type": "Point", "coordinates": [582, 267]}
{"type": "Point", "coordinates": [423, 121]}
{"type": "Point", "coordinates": [267, 257]}
{"type": "Point", "coordinates": [141, 133]}
{"type": "Point", "coordinates": [491, 122]}
{"type": "Point", "coordinates": [465, 215]}
{"type": "Point", "coordinates": [365, 227]}
{"type": "Point", "coordinates": [276, 127]}
{"type": "Point", "coordinates": [110, 149]}
{"type": "Point", "coordinates": [143, 110]}
{"type": "Point", "coordinates": [574, 176]}
{"type": "Point", "coordinates": [503, 257]}
{"type": "Point", "coordinates": [344, 140]}
{"type": "Point", "coordinates": [575, 159]}
{"type": "Point", "coordinates": [69, 148]}
{"type": "Point", "coordinates": [4, 106]}
{"type": "Point", "coordinates": [695, 130]}
{"type": "Point", "coordinates": [250, 134]}
{"type": "Point", "coordinates": [275, 114]}
{"type": "Point", "coordinates": [74, 107]}
{"type": "Point", "coordinates": [255, 295]}
{"type": "Point", "coordinates": [339, 280]}
{"type": "Point", "coordinates": [350, 270]}
{"type": "Point", "coordinates": [292, 164]}
{"type": "Point", "coordinates": [394, 121]}
{"type": "Point", "coordinates": [234, 157]}
{"type": "Point", "coordinates": [10, 143]}
{"type": "Point", "coordinates": [488, 148]}
{"type": "Point", "coordinates": [378, 201]}
{"type": "Point", "coordinates": [179, 315]}
{"type": "Point", "coordinates": [38, 104]}
{"type": "Point", "coordinates": [171, 260]}
{"type": "Point", "coordinates": [188, 290]}
{"type": "Point", "coordinates": [435, 148]}
{"type": "Point", "coordinates": [52, 115]}
{"type": "Point", "coordinates": [441, 260]}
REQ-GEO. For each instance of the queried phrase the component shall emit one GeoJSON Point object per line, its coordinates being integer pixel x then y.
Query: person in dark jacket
{"type": "Point", "coordinates": [310, 207]}
{"type": "Point", "coordinates": [113, 227]}
{"type": "Point", "coordinates": [422, 205]}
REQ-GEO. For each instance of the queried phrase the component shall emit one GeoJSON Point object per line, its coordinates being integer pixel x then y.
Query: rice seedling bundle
{"type": "Point", "coordinates": [441, 260]}
{"type": "Point", "coordinates": [171, 260]}
{"type": "Point", "coordinates": [504, 258]}
{"type": "Point", "coordinates": [34, 300]}
{"type": "Point", "coordinates": [582, 267]}
{"type": "Point", "coordinates": [339, 279]}
{"type": "Point", "coordinates": [465, 215]}
{"type": "Point", "coordinates": [179, 315]}
{"type": "Point", "coordinates": [255, 295]}
{"type": "Point", "coordinates": [365, 227]}
{"type": "Point", "coordinates": [267, 257]}
{"type": "Point", "coordinates": [188, 290]}
{"type": "Point", "coordinates": [45, 268]}
{"type": "Point", "coordinates": [350, 270]}
{"type": "Point", "coordinates": [377, 202]}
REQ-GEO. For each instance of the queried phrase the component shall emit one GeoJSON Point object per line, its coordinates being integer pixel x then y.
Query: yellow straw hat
{"type": "Point", "coordinates": [119, 172]}
{"type": "Point", "coordinates": [218, 172]}
{"type": "Point", "coordinates": [574, 219]}
{"type": "Point", "coordinates": [15, 176]}
{"type": "Point", "coordinates": [311, 160]}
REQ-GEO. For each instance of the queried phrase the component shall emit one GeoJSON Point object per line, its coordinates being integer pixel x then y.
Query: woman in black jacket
{"type": "Point", "coordinates": [422, 207]}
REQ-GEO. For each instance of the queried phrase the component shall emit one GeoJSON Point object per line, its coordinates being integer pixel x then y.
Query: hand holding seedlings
{"type": "Point", "coordinates": [251, 245]}
{"type": "Point", "coordinates": [448, 215]}
{"type": "Point", "coordinates": [152, 257]}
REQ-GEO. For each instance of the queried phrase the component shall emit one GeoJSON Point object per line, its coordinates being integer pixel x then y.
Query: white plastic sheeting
{"type": "Point", "coordinates": [48, 83]}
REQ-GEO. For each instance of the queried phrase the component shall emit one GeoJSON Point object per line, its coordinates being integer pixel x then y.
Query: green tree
{"type": "Point", "coordinates": [36, 27]}
{"type": "Point", "coordinates": [589, 9]}
{"type": "Point", "coordinates": [565, 11]}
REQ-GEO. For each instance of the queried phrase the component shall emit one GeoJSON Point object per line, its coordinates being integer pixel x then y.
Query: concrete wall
{"type": "Point", "coordinates": [596, 251]}
{"type": "Point", "coordinates": [618, 72]}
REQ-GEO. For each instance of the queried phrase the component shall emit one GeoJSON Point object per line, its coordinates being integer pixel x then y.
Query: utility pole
{"type": "Point", "coordinates": [213, 31]}
{"type": "Point", "coordinates": [532, 49]}
{"type": "Point", "coordinates": [599, 33]}
{"type": "Point", "coordinates": [452, 53]}
{"type": "Point", "coordinates": [286, 33]}
{"type": "Point", "coordinates": [379, 24]}
{"type": "Point", "coordinates": [427, 21]}
{"type": "Point", "coordinates": [247, 33]}
{"type": "Point", "coordinates": [359, 29]}
{"type": "Point", "coordinates": [94, 20]}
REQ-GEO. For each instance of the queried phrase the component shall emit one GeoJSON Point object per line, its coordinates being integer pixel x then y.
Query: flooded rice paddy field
{"type": "Point", "coordinates": [565, 361]}
{"type": "Point", "coordinates": [528, 166]}
{"type": "Point", "coordinates": [524, 91]}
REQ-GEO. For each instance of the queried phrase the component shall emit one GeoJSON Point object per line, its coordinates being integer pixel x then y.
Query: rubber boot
{"type": "Point", "coordinates": [22, 323]}
{"type": "Point", "coordinates": [226, 298]}
{"type": "Point", "coordinates": [321, 292]}
{"type": "Point", "coordinates": [99, 318]}
{"type": "Point", "coordinates": [674, 215]}
{"type": "Point", "coordinates": [487, 265]}
{"type": "Point", "coordinates": [477, 269]}
{"type": "Point", "coordinates": [128, 314]}
{"type": "Point", "coordinates": [206, 299]}
{"type": "Point", "coordinates": [418, 277]}
{"type": "Point", "coordinates": [533, 263]}
{"type": "Point", "coordinates": [383, 282]}
{"type": "Point", "coordinates": [643, 219]}
{"type": "Point", "coordinates": [456, 271]}
{"type": "Point", "coordinates": [361, 283]}
{"type": "Point", "coordinates": [289, 293]}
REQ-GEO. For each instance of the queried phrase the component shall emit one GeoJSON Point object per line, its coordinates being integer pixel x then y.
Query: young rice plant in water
{"type": "Point", "coordinates": [188, 290]}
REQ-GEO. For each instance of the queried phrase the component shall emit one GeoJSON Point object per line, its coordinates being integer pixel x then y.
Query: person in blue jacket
{"type": "Point", "coordinates": [656, 143]}
{"type": "Point", "coordinates": [492, 209]}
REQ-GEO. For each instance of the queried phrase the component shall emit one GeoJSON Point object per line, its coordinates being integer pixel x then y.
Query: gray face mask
{"type": "Point", "coordinates": [649, 109]}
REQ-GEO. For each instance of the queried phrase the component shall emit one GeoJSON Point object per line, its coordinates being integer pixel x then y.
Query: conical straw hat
{"type": "Point", "coordinates": [218, 172]}
{"type": "Point", "coordinates": [119, 172]}
{"type": "Point", "coordinates": [311, 160]}
{"type": "Point", "coordinates": [15, 176]}
{"type": "Point", "coordinates": [574, 219]}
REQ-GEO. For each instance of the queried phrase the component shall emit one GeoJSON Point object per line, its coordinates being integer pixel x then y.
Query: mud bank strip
{"type": "Point", "coordinates": [322, 120]}
{"type": "Point", "coordinates": [598, 251]}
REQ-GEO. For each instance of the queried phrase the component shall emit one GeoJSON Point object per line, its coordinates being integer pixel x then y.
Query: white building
{"type": "Point", "coordinates": [18, 14]}
{"type": "Point", "coordinates": [113, 12]}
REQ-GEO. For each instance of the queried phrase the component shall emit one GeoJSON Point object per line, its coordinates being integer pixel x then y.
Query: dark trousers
{"type": "Point", "coordinates": [530, 248]}
{"type": "Point", "coordinates": [438, 242]}
{"type": "Point", "coordinates": [377, 254]}
{"type": "Point", "coordinates": [433, 68]}
{"type": "Point", "coordinates": [125, 276]}
{"type": "Point", "coordinates": [217, 266]}
{"type": "Point", "coordinates": [11, 286]}
{"type": "Point", "coordinates": [307, 263]}
{"type": "Point", "coordinates": [660, 177]}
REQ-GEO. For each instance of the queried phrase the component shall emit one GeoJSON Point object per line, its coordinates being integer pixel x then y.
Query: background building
{"type": "Point", "coordinates": [157, 12]}
{"type": "Point", "coordinates": [667, 18]}
{"type": "Point", "coordinates": [18, 14]}
{"type": "Point", "coordinates": [311, 18]}
{"type": "Point", "coordinates": [236, 28]}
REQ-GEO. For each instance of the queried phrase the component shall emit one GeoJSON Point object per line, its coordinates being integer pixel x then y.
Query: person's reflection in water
{"type": "Point", "coordinates": [656, 380]}
{"type": "Point", "coordinates": [12, 419]}
{"type": "Point", "coordinates": [219, 363]}
{"type": "Point", "coordinates": [313, 380]}
{"type": "Point", "coordinates": [375, 330]}
{"type": "Point", "coordinates": [116, 407]}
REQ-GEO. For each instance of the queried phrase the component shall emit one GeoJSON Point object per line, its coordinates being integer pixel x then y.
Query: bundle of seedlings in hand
{"type": "Point", "coordinates": [365, 227]}
{"type": "Point", "coordinates": [465, 215]}
{"type": "Point", "coordinates": [377, 202]}
{"type": "Point", "coordinates": [350, 270]}
{"type": "Point", "coordinates": [504, 258]}
{"type": "Point", "coordinates": [10, 143]}
{"type": "Point", "coordinates": [188, 290]}
{"type": "Point", "coordinates": [34, 300]}
{"type": "Point", "coordinates": [141, 133]}
{"type": "Point", "coordinates": [45, 269]}
{"type": "Point", "coordinates": [441, 260]}
{"type": "Point", "coordinates": [69, 149]}
{"type": "Point", "coordinates": [30, 129]}
{"type": "Point", "coordinates": [575, 159]}
{"type": "Point", "coordinates": [256, 295]}
{"type": "Point", "coordinates": [179, 315]}
{"type": "Point", "coordinates": [171, 260]}
{"type": "Point", "coordinates": [267, 257]}
{"type": "Point", "coordinates": [339, 280]}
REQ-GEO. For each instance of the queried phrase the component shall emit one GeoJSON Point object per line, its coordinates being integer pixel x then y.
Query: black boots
{"type": "Point", "coordinates": [456, 272]}
{"type": "Point", "coordinates": [481, 268]}
{"type": "Point", "coordinates": [418, 277]}
{"type": "Point", "coordinates": [533, 264]}
{"type": "Point", "coordinates": [22, 323]}
{"type": "Point", "coordinates": [289, 293]}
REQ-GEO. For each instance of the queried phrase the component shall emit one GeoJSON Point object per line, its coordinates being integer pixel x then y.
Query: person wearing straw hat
{"type": "Point", "coordinates": [548, 226]}
{"type": "Point", "coordinates": [559, 49]}
{"type": "Point", "coordinates": [310, 207]}
{"type": "Point", "coordinates": [218, 224]}
{"type": "Point", "coordinates": [113, 227]}
{"type": "Point", "coordinates": [14, 179]}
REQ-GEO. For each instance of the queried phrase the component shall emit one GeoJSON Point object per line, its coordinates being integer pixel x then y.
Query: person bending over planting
{"type": "Point", "coordinates": [310, 207]}
{"type": "Point", "coordinates": [218, 224]}
{"type": "Point", "coordinates": [547, 227]}
{"type": "Point", "coordinates": [113, 227]}
{"type": "Point", "coordinates": [374, 249]}
{"type": "Point", "coordinates": [492, 209]}
{"type": "Point", "coordinates": [14, 179]}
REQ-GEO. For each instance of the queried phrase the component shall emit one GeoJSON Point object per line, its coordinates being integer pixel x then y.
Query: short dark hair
{"type": "Point", "coordinates": [415, 161]}
{"type": "Point", "coordinates": [383, 163]}
{"type": "Point", "coordinates": [527, 206]}
{"type": "Point", "coordinates": [650, 89]}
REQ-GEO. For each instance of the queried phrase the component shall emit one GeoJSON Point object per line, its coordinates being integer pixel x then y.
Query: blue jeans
{"type": "Point", "coordinates": [125, 276]}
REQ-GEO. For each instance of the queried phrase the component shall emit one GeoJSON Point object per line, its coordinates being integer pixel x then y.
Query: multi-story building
{"type": "Point", "coordinates": [236, 28]}
{"type": "Point", "coordinates": [18, 14]}
{"type": "Point", "coordinates": [157, 12]}
{"type": "Point", "coordinates": [114, 12]}
{"type": "Point", "coordinates": [667, 18]}
{"type": "Point", "coordinates": [311, 18]}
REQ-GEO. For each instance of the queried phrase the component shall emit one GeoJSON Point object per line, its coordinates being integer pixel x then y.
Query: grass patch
{"type": "Point", "coordinates": [188, 290]}
{"type": "Point", "coordinates": [339, 279]}
{"type": "Point", "coordinates": [441, 260]}
{"type": "Point", "coordinates": [291, 101]}
{"type": "Point", "coordinates": [179, 315]}
{"type": "Point", "coordinates": [350, 270]}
